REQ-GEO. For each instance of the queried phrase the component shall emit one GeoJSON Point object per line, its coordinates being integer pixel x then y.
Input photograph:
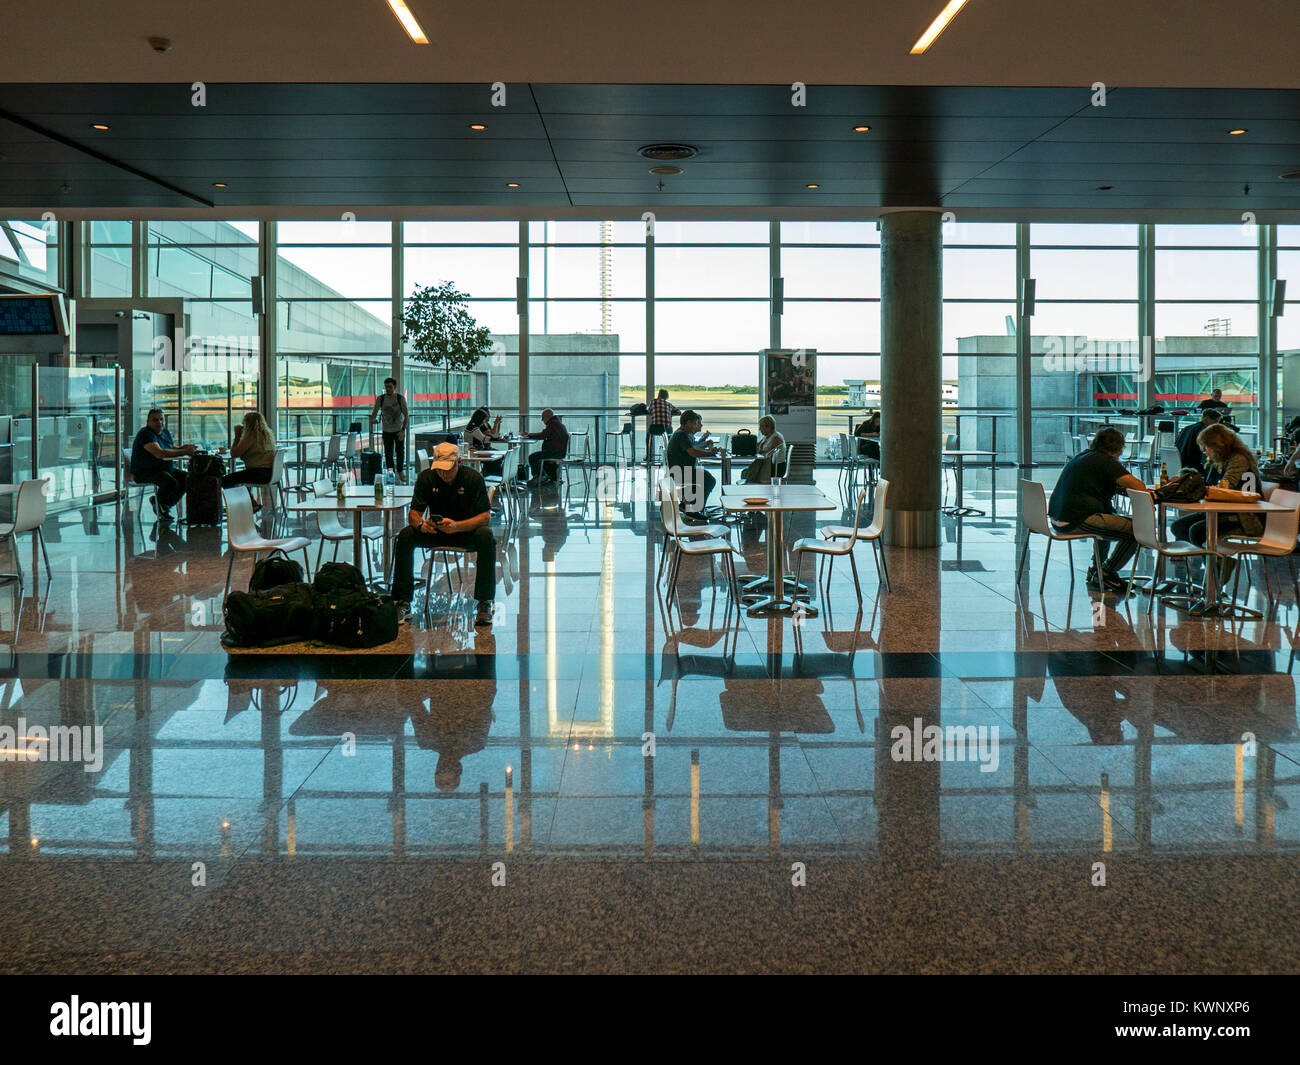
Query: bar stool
{"type": "Point", "coordinates": [625, 434]}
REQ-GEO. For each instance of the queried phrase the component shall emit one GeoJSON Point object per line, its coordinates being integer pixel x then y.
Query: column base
{"type": "Point", "coordinates": [912, 528]}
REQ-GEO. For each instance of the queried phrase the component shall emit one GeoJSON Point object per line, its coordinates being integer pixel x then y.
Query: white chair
{"type": "Point", "coordinates": [333, 454]}
{"type": "Point", "coordinates": [426, 573]}
{"type": "Point", "coordinates": [422, 460]}
{"type": "Point", "coordinates": [811, 545]}
{"type": "Point", "coordinates": [1033, 512]}
{"type": "Point", "coordinates": [273, 490]}
{"type": "Point", "coordinates": [872, 532]}
{"type": "Point", "coordinates": [1279, 540]}
{"type": "Point", "coordinates": [243, 537]}
{"type": "Point", "coordinates": [1146, 534]}
{"type": "Point", "coordinates": [711, 546]}
{"type": "Point", "coordinates": [332, 528]}
{"type": "Point", "coordinates": [1069, 444]}
{"type": "Point", "coordinates": [1174, 461]}
{"type": "Point", "coordinates": [29, 515]}
{"type": "Point", "coordinates": [848, 461]}
{"type": "Point", "coordinates": [678, 530]}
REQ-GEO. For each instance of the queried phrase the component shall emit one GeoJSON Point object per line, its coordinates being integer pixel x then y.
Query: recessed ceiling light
{"type": "Point", "coordinates": [1235, 132]}
{"type": "Point", "coordinates": [812, 186]}
{"type": "Point", "coordinates": [512, 184]}
{"type": "Point", "coordinates": [939, 24]}
{"type": "Point", "coordinates": [861, 129]}
{"type": "Point", "coordinates": [218, 184]}
{"type": "Point", "coordinates": [666, 170]}
{"type": "Point", "coordinates": [477, 125]}
{"type": "Point", "coordinates": [99, 125]}
{"type": "Point", "coordinates": [408, 22]}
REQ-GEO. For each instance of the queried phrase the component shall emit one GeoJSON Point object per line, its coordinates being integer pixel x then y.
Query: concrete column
{"type": "Point", "coordinates": [911, 374]}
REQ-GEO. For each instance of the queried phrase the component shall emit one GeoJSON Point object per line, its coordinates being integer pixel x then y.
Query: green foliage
{"type": "Point", "coordinates": [437, 325]}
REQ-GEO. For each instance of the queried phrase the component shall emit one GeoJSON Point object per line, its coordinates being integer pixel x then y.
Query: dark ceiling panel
{"type": "Point", "coordinates": [410, 145]}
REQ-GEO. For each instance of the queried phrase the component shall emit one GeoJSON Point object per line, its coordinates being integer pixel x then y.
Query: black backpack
{"type": "Point", "coordinates": [744, 444]}
{"type": "Point", "coordinates": [273, 571]}
{"type": "Point", "coordinates": [286, 614]}
{"type": "Point", "coordinates": [1188, 488]}
{"type": "Point", "coordinates": [338, 576]}
{"type": "Point", "coordinates": [350, 618]}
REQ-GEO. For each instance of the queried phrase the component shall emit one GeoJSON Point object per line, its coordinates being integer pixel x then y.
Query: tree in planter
{"type": "Point", "coordinates": [440, 330]}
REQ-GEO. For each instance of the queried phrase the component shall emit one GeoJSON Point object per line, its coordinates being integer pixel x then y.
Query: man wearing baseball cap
{"type": "Point", "coordinates": [449, 508]}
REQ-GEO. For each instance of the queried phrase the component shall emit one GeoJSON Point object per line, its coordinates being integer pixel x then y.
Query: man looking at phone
{"type": "Point", "coordinates": [449, 508]}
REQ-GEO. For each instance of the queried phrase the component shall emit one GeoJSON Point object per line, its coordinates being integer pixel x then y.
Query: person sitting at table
{"type": "Point", "coordinates": [152, 453]}
{"type": "Point", "coordinates": [696, 483]}
{"type": "Point", "coordinates": [457, 498]}
{"type": "Point", "coordinates": [1215, 402]}
{"type": "Point", "coordinates": [555, 445]}
{"type": "Point", "coordinates": [1189, 451]}
{"type": "Point", "coordinates": [760, 471]}
{"type": "Point", "coordinates": [255, 444]}
{"type": "Point", "coordinates": [1231, 465]}
{"type": "Point", "coordinates": [480, 434]}
{"type": "Point", "coordinates": [868, 436]}
{"type": "Point", "coordinates": [1081, 503]}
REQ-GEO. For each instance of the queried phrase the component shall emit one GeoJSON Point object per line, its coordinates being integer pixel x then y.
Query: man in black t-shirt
{"type": "Point", "coordinates": [1081, 502]}
{"type": "Point", "coordinates": [457, 498]}
{"type": "Point", "coordinates": [152, 453]}
{"type": "Point", "coordinates": [1215, 402]}
{"type": "Point", "coordinates": [696, 483]}
{"type": "Point", "coordinates": [1189, 451]}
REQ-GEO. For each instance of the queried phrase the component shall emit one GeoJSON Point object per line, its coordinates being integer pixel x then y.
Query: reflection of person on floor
{"type": "Point", "coordinates": [458, 727]}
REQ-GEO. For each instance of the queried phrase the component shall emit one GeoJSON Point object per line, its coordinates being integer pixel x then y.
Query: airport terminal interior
{"type": "Point", "coordinates": [764, 648]}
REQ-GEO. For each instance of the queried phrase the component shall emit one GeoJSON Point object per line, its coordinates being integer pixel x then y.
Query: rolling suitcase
{"type": "Point", "coordinates": [203, 490]}
{"type": "Point", "coordinates": [372, 462]}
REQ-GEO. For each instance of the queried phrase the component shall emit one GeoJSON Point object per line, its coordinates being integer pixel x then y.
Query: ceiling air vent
{"type": "Point", "coordinates": [668, 153]}
{"type": "Point", "coordinates": [666, 170]}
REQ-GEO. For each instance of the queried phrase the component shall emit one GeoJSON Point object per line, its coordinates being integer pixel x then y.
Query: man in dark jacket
{"type": "Point", "coordinates": [1189, 451]}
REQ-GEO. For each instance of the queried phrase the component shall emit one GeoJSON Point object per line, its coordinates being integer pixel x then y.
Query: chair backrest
{"type": "Point", "coordinates": [277, 467]}
{"type": "Point", "coordinates": [1282, 527]}
{"type": "Point", "coordinates": [322, 487]}
{"type": "Point", "coordinates": [878, 510]}
{"type": "Point", "coordinates": [1033, 507]}
{"type": "Point", "coordinates": [332, 449]}
{"type": "Point", "coordinates": [422, 460]}
{"type": "Point", "coordinates": [350, 448]}
{"type": "Point", "coordinates": [1144, 518]}
{"type": "Point", "coordinates": [668, 508]}
{"type": "Point", "coordinates": [846, 446]}
{"type": "Point", "coordinates": [857, 513]}
{"type": "Point", "coordinates": [29, 512]}
{"type": "Point", "coordinates": [1170, 457]}
{"type": "Point", "coordinates": [240, 527]}
{"type": "Point", "coordinates": [1068, 444]}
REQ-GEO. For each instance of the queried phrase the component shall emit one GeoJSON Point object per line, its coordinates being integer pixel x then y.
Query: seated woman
{"type": "Point", "coordinates": [480, 433]}
{"type": "Point", "coordinates": [255, 444]}
{"type": "Point", "coordinates": [760, 471]}
{"type": "Point", "coordinates": [868, 434]}
{"type": "Point", "coordinates": [1231, 465]}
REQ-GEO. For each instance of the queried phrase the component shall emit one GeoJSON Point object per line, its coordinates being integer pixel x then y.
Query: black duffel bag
{"type": "Point", "coordinates": [350, 618]}
{"type": "Point", "coordinates": [286, 614]}
{"type": "Point", "coordinates": [338, 576]}
{"type": "Point", "coordinates": [273, 571]}
{"type": "Point", "coordinates": [1188, 487]}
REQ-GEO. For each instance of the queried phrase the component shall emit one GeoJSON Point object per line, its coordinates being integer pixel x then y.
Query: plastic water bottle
{"type": "Point", "coordinates": [390, 484]}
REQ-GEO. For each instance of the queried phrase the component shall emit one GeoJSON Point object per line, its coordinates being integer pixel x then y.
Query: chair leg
{"type": "Point", "coordinates": [306, 562]}
{"type": "Point", "coordinates": [857, 586]}
{"type": "Point", "coordinates": [672, 575]}
{"type": "Point", "coordinates": [230, 569]}
{"type": "Point", "coordinates": [319, 551]}
{"type": "Point", "coordinates": [1046, 556]}
{"type": "Point", "coordinates": [44, 554]}
{"type": "Point", "coordinates": [884, 563]}
{"type": "Point", "coordinates": [1295, 583]}
{"type": "Point", "coordinates": [1024, 554]}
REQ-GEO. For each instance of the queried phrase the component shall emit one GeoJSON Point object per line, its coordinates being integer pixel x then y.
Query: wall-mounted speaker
{"type": "Point", "coordinates": [255, 290]}
{"type": "Point", "coordinates": [1279, 297]}
{"type": "Point", "coordinates": [1027, 287]}
{"type": "Point", "coordinates": [778, 295]}
{"type": "Point", "coordinates": [521, 296]}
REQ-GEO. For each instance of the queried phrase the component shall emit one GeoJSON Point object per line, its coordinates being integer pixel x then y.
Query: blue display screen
{"type": "Point", "coordinates": [28, 315]}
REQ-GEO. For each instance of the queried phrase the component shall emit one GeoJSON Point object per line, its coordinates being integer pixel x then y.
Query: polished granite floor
{"type": "Point", "coordinates": [488, 800]}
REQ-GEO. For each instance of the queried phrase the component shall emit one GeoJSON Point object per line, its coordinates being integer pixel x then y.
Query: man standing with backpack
{"type": "Point", "coordinates": [390, 406]}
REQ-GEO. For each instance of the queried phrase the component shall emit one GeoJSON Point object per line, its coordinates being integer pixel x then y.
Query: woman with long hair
{"type": "Point", "coordinates": [480, 434]}
{"type": "Point", "coordinates": [1231, 465]}
{"type": "Point", "coordinates": [254, 443]}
